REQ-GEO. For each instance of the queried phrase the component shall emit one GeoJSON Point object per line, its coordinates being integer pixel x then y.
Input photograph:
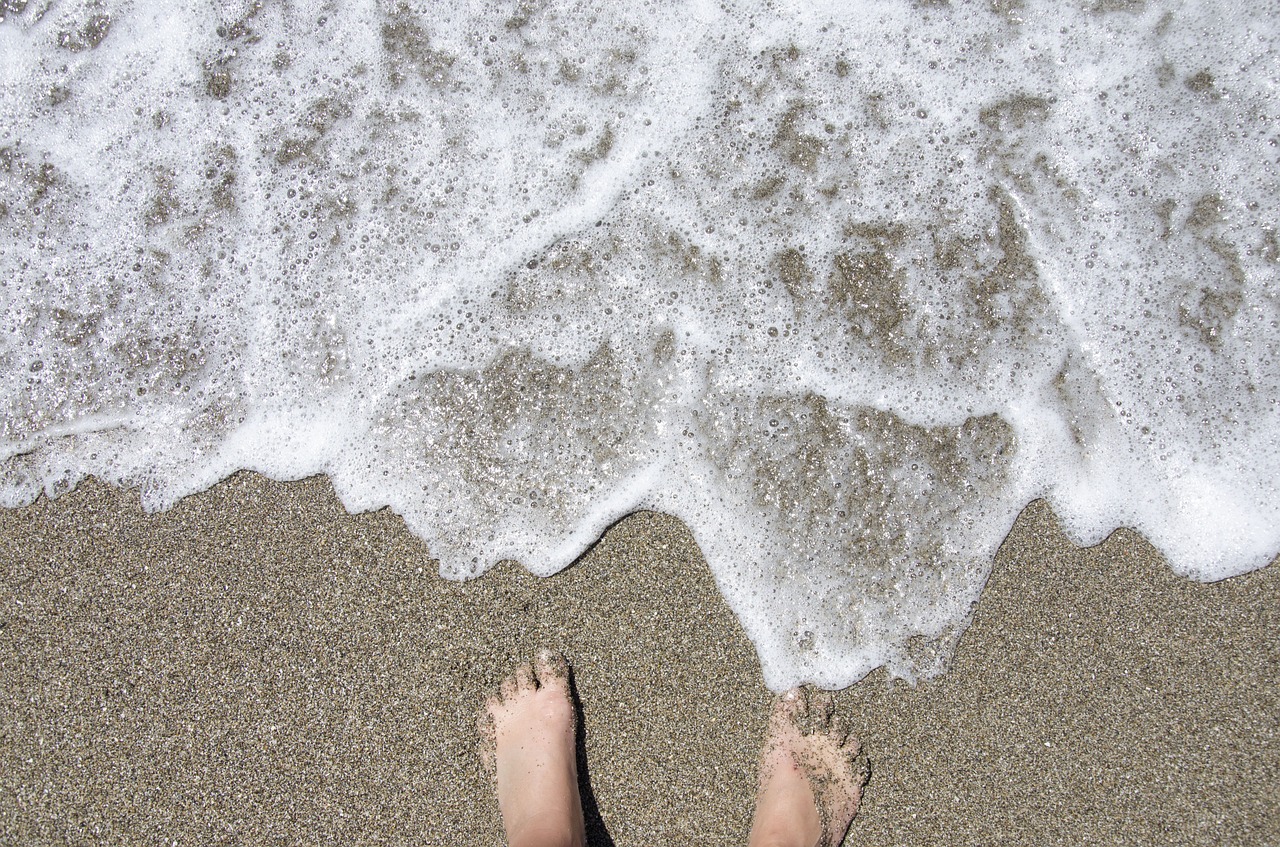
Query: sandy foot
{"type": "Point", "coordinates": [528, 747]}
{"type": "Point", "coordinates": [811, 775]}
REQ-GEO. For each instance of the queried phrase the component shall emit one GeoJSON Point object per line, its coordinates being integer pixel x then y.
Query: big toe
{"type": "Point", "coordinates": [790, 707]}
{"type": "Point", "coordinates": [552, 669]}
{"type": "Point", "coordinates": [525, 680]}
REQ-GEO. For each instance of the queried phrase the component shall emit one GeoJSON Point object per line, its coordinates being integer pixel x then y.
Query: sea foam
{"type": "Point", "coordinates": [843, 286]}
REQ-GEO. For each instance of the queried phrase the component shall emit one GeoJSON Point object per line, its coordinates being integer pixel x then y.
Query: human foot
{"type": "Point", "coordinates": [528, 747]}
{"type": "Point", "coordinates": [811, 775]}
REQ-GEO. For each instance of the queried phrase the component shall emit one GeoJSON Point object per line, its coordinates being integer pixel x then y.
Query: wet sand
{"type": "Point", "coordinates": [258, 666]}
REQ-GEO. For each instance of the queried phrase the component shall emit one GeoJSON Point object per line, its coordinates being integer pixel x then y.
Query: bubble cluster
{"type": "Point", "coordinates": [843, 288]}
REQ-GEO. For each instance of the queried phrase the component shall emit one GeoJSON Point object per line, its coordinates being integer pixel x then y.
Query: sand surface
{"type": "Point", "coordinates": [258, 666]}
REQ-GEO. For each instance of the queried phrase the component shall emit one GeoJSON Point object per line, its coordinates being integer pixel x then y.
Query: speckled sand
{"type": "Point", "coordinates": [257, 666]}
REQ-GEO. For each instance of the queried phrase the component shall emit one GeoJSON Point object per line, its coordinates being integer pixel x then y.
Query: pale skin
{"type": "Point", "coordinates": [811, 776]}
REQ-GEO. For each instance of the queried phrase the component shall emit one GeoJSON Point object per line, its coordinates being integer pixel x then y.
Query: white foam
{"type": "Point", "coordinates": [843, 288]}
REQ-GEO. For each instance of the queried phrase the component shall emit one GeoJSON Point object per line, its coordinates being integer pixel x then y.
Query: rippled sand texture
{"type": "Point", "coordinates": [258, 666]}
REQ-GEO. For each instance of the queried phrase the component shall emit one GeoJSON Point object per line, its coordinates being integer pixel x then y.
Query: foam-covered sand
{"type": "Point", "coordinates": [842, 286]}
{"type": "Point", "coordinates": [258, 666]}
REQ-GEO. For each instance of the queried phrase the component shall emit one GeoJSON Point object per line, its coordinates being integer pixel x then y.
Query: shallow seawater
{"type": "Point", "coordinates": [842, 286]}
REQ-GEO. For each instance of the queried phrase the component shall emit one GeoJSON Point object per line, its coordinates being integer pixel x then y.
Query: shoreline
{"type": "Point", "coordinates": [258, 665]}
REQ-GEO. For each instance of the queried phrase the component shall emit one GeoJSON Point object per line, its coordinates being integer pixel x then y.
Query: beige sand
{"type": "Point", "coordinates": [257, 666]}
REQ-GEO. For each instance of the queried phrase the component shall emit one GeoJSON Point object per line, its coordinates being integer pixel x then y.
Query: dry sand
{"type": "Point", "coordinates": [258, 666]}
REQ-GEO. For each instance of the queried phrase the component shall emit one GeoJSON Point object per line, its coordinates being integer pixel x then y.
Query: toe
{"type": "Point", "coordinates": [860, 766]}
{"type": "Point", "coordinates": [788, 707]}
{"type": "Point", "coordinates": [851, 745]}
{"type": "Point", "coordinates": [839, 730]}
{"type": "Point", "coordinates": [802, 705]}
{"type": "Point", "coordinates": [510, 688]}
{"type": "Point", "coordinates": [525, 679]}
{"type": "Point", "coordinates": [552, 669]}
{"type": "Point", "coordinates": [821, 707]}
{"type": "Point", "coordinates": [783, 719]}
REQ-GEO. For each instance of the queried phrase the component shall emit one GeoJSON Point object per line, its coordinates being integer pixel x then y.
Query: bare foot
{"type": "Point", "coordinates": [528, 747]}
{"type": "Point", "coordinates": [811, 775]}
